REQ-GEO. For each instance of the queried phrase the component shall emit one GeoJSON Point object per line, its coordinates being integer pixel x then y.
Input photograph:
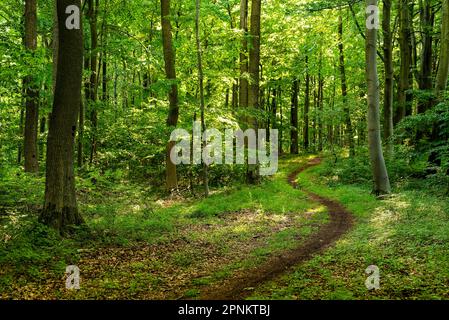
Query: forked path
{"type": "Point", "coordinates": [242, 285]}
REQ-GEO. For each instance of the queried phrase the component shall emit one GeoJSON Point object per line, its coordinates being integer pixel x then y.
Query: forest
{"type": "Point", "coordinates": [224, 150]}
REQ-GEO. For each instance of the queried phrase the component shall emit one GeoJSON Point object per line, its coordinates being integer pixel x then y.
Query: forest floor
{"type": "Point", "coordinates": [241, 242]}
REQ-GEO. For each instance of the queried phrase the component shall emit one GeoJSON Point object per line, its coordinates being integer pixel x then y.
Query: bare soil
{"type": "Point", "coordinates": [242, 285]}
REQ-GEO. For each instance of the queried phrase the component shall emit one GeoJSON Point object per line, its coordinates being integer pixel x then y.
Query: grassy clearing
{"type": "Point", "coordinates": [141, 247]}
{"type": "Point", "coordinates": [406, 236]}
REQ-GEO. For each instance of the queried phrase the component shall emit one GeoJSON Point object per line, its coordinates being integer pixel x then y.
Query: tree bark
{"type": "Point", "coordinates": [281, 127]}
{"type": "Point", "coordinates": [320, 105]}
{"type": "Point", "coordinates": [60, 208]}
{"type": "Point", "coordinates": [380, 174]}
{"type": "Point", "coordinates": [294, 147]}
{"type": "Point", "coordinates": [406, 61]}
{"type": "Point", "coordinates": [253, 92]}
{"type": "Point", "coordinates": [31, 92]}
{"type": "Point", "coordinates": [344, 90]}
{"type": "Point", "coordinates": [425, 74]}
{"type": "Point", "coordinates": [389, 72]}
{"type": "Point", "coordinates": [306, 107]}
{"type": "Point", "coordinates": [170, 71]}
{"type": "Point", "coordinates": [92, 15]}
{"type": "Point", "coordinates": [80, 153]}
{"type": "Point", "coordinates": [201, 89]}
{"type": "Point", "coordinates": [243, 90]}
{"type": "Point", "coordinates": [443, 67]}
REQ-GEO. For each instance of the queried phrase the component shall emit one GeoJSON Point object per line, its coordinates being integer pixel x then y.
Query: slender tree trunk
{"type": "Point", "coordinates": [201, 88]}
{"type": "Point", "coordinates": [406, 60]}
{"type": "Point", "coordinates": [31, 92]}
{"type": "Point", "coordinates": [235, 86]}
{"type": "Point", "coordinates": [380, 174]}
{"type": "Point", "coordinates": [235, 94]}
{"type": "Point", "coordinates": [254, 89]}
{"type": "Point", "coordinates": [274, 124]}
{"type": "Point", "coordinates": [344, 90]}
{"type": "Point", "coordinates": [320, 105]}
{"type": "Point", "coordinates": [443, 67]}
{"type": "Point", "coordinates": [80, 154]}
{"type": "Point", "coordinates": [281, 127]}
{"type": "Point", "coordinates": [21, 132]}
{"type": "Point", "coordinates": [170, 71]}
{"type": "Point", "coordinates": [315, 108]}
{"type": "Point", "coordinates": [92, 15]}
{"type": "Point", "coordinates": [243, 90]}
{"type": "Point", "coordinates": [389, 73]}
{"type": "Point", "coordinates": [60, 208]}
{"type": "Point", "coordinates": [306, 107]}
{"type": "Point", "coordinates": [294, 118]}
{"type": "Point", "coordinates": [425, 73]}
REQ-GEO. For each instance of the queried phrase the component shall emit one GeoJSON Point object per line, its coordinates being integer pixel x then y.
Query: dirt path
{"type": "Point", "coordinates": [243, 285]}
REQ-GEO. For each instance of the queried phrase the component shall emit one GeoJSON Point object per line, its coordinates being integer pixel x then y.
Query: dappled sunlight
{"type": "Point", "coordinates": [386, 216]}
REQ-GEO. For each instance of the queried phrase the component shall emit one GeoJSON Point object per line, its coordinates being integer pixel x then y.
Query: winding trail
{"type": "Point", "coordinates": [242, 285]}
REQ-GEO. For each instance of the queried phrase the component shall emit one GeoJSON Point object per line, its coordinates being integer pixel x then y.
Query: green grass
{"type": "Point", "coordinates": [406, 236]}
{"type": "Point", "coordinates": [204, 241]}
{"type": "Point", "coordinates": [123, 214]}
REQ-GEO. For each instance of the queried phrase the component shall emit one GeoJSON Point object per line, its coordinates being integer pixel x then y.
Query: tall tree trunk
{"type": "Point", "coordinates": [281, 127]}
{"type": "Point", "coordinates": [274, 124]}
{"type": "Point", "coordinates": [443, 67]}
{"type": "Point", "coordinates": [406, 61]}
{"type": "Point", "coordinates": [60, 208]}
{"type": "Point", "coordinates": [389, 73]}
{"type": "Point", "coordinates": [235, 86]}
{"type": "Point", "coordinates": [243, 90]}
{"type": "Point", "coordinates": [254, 89]}
{"type": "Point", "coordinates": [294, 118]}
{"type": "Point", "coordinates": [21, 132]}
{"type": "Point", "coordinates": [170, 71]}
{"type": "Point", "coordinates": [92, 15]}
{"type": "Point", "coordinates": [31, 92]}
{"type": "Point", "coordinates": [306, 107]}
{"type": "Point", "coordinates": [80, 154]}
{"type": "Point", "coordinates": [344, 90]}
{"type": "Point", "coordinates": [380, 174]}
{"type": "Point", "coordinates": [320, 104]}
{"type": "Point", "coordinates": [425, 73]}
{"type": "Point", "coordinates": [201, 88]}
{"type": "Point", "coordinates": [315, 108]}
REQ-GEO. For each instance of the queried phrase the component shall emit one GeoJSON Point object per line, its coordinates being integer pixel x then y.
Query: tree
{"type": "Point", "coordinates": [60, 208]}
{"type": "Point", "coordinates": [173, 111]}
{"type": "Point", "coordinates": [320, 103]}
{"type": "Point", "coordinates": [344, 90]}
{"type": "Point", "coordinates": [380, 174]}
{"type": "Point", "coordinates": [307, 106]}
{"type": "Point", "coordinates": [427, 18]}
{"type": "Point", "coordinates": [93, 83]}
{"type": "Point", "coordinates": [243, 90]}
{"type": "Point", "coordinates": [201, 87]}
{"type": "Point", "coordinates": [389, 72]}
{"type": "Point", "coordinates": [443, 69]}
{"type": "Point", "coordinates": [254, 63]}
{"type": "Point", "coordinates": [294, 118]}
{"type": "Point", "coordinates": [404, 108]}
{"type": "Point", "coordinates": [31, 92]}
